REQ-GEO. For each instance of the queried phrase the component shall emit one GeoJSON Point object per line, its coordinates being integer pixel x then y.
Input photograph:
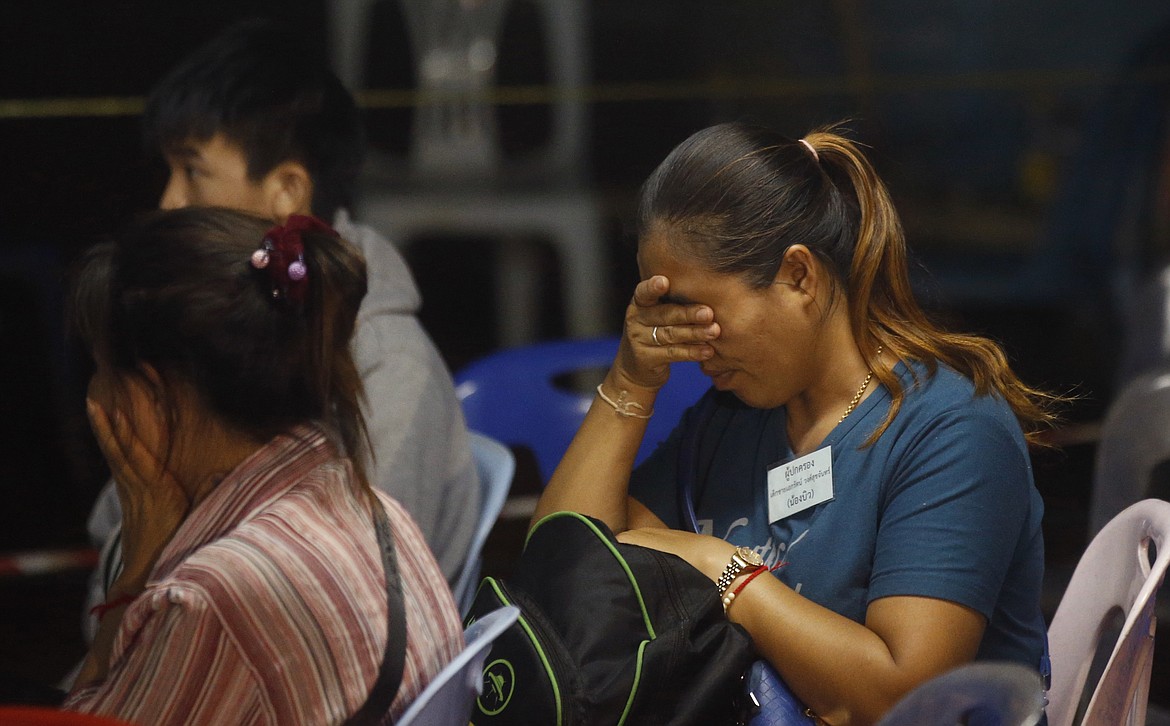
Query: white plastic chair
{"type": "Point", "coordinates": [1145, 319]}
{"type": "Point", "coordinates": [455, 44]}
{"type": "Point", "coordinates": [1135, 438]}
{"type": "Point", "coordinates": [1007, 694]}
{"type": "Point", "coordinates": [460, 182]}
{"type": "Point", "coordinates": [449, 699]}
{"type": "Point", "coordinates": [1114, 573]}
{"type": "Point", "coordinates": [495, 465]}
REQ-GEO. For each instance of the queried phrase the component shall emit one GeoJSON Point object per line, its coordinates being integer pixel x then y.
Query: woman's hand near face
{"type": "Point", "coordinates": [153, 502]}
{"type": "Point", "coordinates": [593, 476]}
{"type": "Point", "coordinates": [659, 333]}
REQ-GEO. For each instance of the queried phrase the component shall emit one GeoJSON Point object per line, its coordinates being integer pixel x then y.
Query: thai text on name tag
{"type": "Point", "coordinates": [799, 484]}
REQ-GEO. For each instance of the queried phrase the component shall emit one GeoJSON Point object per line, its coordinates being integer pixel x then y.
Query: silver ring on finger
{"type": "Point", "coordinates": [654, 335]}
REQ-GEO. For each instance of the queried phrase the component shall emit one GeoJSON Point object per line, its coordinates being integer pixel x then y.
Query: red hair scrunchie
{"type": "Point", "coordinates": [282, 256]}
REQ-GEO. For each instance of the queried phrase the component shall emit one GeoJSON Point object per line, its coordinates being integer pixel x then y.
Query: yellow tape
{"type": "Point", "coordinates": [720, 88]}
{"type": "Point", "coordinates": [70, 107]}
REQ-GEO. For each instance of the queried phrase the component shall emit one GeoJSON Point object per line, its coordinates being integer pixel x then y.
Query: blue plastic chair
{"type": "Point", "coordinates": [495, 465]}
{"type": "Point", "coordinates": [513, 396]}
{"type": "Point", "coordinates": [449, 699]}
{"type": "Point", "coordinates": [1000, 693]}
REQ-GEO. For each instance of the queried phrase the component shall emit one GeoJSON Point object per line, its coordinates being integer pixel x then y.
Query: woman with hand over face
{"type": "Point", "coordinates": [875, 463]}
{"type": "Point", "coordinates": [259, 563]}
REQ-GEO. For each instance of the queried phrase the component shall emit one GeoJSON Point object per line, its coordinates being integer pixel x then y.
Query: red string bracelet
{"type": "Point", "coordinates": [727, 599]}
{"type": "Point", "coordinates": [748, 579]}
{"type": "Point", "coordinates": [99, 611]}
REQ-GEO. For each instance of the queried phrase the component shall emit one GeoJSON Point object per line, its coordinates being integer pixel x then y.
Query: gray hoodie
{"type": "Point", "coordinates": [422, 456]}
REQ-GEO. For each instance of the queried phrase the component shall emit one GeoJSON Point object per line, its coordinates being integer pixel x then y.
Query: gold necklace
{"type": "Point", "coordinates": [857, 397]}
{"type": "Point", "coordinates": [860, 392]}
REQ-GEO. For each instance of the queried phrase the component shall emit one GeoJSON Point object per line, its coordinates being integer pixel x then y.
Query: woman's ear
{"type": "Point", "coordinates": [800, 269]}
{"type": "Point", "coordinates": [289, 190]}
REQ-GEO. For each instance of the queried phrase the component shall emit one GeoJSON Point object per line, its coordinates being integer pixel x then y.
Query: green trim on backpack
{"type": "Point", "coordinates": [636, 684]}
{"type": "Point", "coordinates": [552, 679]}
{"type": "Point", "coordinates": [613, 550]}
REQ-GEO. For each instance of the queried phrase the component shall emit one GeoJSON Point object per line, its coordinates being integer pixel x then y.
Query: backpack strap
{"type": "Point", "coordinates": [688, 460]}
{"type": "Point", "coordinates": [389, 679]}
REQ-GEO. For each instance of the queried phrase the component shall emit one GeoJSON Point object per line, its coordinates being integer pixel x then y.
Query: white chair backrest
{"type": "Point", "coordinates": [1135, 438]}
{"type": "Point", "coordinates": [1008, 694]}
{"type": "Point", "coordinates": [495, 465]}
{"type": "Point", "coordinates": [450, 697]}
{"type": "Point", "coordinates": [455, 45]}
{"type": "Point", "coordinates": [1145, 328]}
{"type": "Point", "coordinates": [1115, 573]}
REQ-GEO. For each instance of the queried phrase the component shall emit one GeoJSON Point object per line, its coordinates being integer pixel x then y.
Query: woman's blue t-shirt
{"type": "Point", "coordinates": [942, 505]}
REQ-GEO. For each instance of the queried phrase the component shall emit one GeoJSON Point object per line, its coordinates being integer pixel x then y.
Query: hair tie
{"type": "Point", "coordinates": [282, 256]}
{"type": "Point", "coordinates": [816, 156]}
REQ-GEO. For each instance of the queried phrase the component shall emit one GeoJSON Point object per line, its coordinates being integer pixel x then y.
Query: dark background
{"type": "Point", "coordinates": [1023, 142]}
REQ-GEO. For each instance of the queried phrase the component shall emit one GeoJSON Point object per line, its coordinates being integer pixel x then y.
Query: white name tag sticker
{"type": "Point", "coordinates": [799, 484]}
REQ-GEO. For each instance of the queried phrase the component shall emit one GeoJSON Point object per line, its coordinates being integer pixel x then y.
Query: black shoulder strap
{"type": "Point", "coordinates": [386, 685]}
{"type": "Point", "coordinates": [688, 460]}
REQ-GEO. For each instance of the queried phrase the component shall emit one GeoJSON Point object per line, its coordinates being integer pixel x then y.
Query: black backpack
{"type": "Point", "coordinates": [609, 633]}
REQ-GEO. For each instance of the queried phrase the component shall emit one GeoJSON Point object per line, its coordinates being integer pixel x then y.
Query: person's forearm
{"type": "Point", "coordinates": [593, 476]}
{"type": "Point", "coordinates": [843, 670]}
{"type": "Point", "coordinates": [834, 664]}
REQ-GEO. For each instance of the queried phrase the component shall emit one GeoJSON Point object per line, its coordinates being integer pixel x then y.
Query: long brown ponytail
{"type": "Point", "coordinates": [884, 312]}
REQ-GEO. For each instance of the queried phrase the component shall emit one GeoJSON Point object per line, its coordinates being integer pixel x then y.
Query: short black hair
{"type": "Point", "coordinates": [271, 92]}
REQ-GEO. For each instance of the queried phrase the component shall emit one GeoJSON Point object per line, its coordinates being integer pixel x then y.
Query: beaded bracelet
{"type": "Point", "coordinates": [731, 595]}
{"type": "Point", "coordinates": [728, 597]}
